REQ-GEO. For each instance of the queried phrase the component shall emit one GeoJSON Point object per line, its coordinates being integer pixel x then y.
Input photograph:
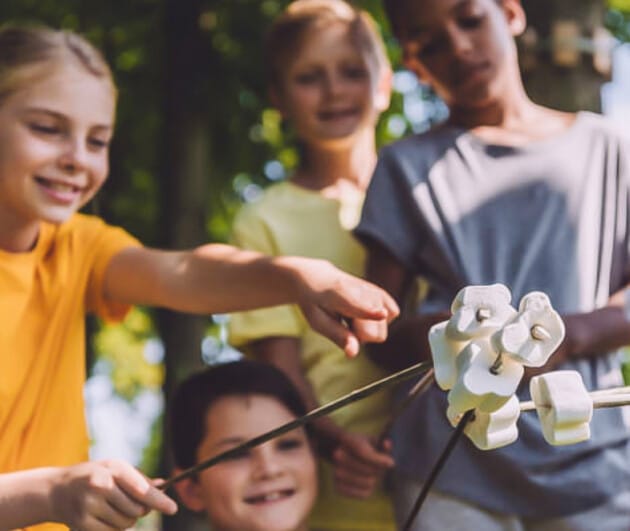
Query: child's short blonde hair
{"type": "Point", "coordinates": [288, 31]}
{"type": "Point", "coordinates": [29, 51]}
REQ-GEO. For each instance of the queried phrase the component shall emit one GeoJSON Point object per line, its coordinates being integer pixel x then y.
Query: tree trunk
{"type": "Point", "coordinates": [183, 183]}
{"type": "Point", "coordinates": [566, 81]}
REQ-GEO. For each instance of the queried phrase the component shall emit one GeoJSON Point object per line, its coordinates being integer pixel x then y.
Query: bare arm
{"type": "Point", "coordinates": [88, 496]}
{"type": "Point", "coordinates": [219, 278]}
{"type": "Point", "coordinates": [407, 341]}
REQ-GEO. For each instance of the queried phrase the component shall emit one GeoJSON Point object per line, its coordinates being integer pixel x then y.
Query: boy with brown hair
{"type": "Point", "coordinates": [504, 191]}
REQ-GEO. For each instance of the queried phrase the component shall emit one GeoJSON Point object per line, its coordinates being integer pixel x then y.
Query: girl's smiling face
{"type": "Point", "coordinates": [54, 146]}
{"type": "Point", "coordinates": [271, 487]}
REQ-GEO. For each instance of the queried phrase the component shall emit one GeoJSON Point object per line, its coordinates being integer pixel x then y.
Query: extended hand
{"type": "Point", "coordinates": [359, 466]}
{"type": "Point", "coordinates": [331, 300]}
{"type": "Point", "coordinates": [105, 495]}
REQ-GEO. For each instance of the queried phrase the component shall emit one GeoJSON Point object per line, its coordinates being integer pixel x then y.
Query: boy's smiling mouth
{"type": "Point", "coordinates": [337, 114]}
{"type": "Point", "coordinates": [269, 497]}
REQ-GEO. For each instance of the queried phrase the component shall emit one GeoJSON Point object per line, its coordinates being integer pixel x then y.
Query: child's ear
{"type": "Point", "coordinates": [189, 492]}
{"type": "Point", "coordinates": [383, 90]}
{"type": "Point", "coordinates": [515, 15]}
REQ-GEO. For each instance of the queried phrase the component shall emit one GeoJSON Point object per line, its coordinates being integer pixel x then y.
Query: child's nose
{"type": "Point", "coordinates": [460, 43]}
{"type": "Point", "coordinates": [267, 464]}
{"type": "Point", "coordinates": [333, 85]}
{"type": "Point", "coordinates": [74, 156]}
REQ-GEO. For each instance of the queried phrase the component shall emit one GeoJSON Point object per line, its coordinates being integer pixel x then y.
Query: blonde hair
{"type": "Point", "coordinates": [287, 33]}
{"type": "Point", "coordinates": [27, 51]}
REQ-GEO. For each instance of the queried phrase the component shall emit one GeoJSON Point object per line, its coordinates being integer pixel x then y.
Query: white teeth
{"type": "Point", "coordinates": [271, 497]}
{"type": "Point", "coordinates": [59, 187]}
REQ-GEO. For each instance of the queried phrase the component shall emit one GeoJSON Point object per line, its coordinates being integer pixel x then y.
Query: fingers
{"type": "Point", "coordinates": [359, 467]}
{"type": "Point", "coordinates": [140, 489]}
{"type": "Point", "coordinates": [356, 298]}
{"type": "Point", "coordinates": [331, 327]}
{"type": "Point", "coordinates": [355, 486]}
{"type": "Point", "coordinates": [369, 331]}
{"type": "Point", "coordinates": [357, 479]}
{"type": "Point", "coordinates": [360, 448]}
{"type": "Point", "coordinates": [104, 496]}
{"type": "Point", "coordinates": [122, 507]}
{"type": "Point", "coordinates": [109, 513]}
{"type": "Point", "coordinates": [363, 459]}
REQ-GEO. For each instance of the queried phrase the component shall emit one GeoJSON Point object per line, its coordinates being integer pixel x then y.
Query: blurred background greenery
{"type": "Point", "coordinates": [196, 137]}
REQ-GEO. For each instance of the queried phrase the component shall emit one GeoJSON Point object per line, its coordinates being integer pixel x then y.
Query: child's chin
{"type": "Point", "coordinates": [277, 521]}
{"type": "Point", "coordinates": [57, 216]}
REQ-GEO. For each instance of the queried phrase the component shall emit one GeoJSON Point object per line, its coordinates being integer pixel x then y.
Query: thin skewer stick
{"type": "Point", "coordinates": [326, 409]}
{"type": "Point", "coordinates": [420, 388]}
{"type": "Point", "coordinates": [611, 390]}
{"type": "Point", "coordinates": [439, 464]}
{"type": "Point", "coordinates": [599, 401]}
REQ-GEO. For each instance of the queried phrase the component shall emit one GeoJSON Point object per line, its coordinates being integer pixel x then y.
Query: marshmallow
{"type": "Point", "coordinates": [564, 406]}
{"type": "Point", "coordinates": [479, 311]}
{"type": "Point", "coordinates": [533, 335]}
{"type": "Point", "coordinates": [490, 430]}
{"type": "Point", "coordinates": [479, 387]}
{"type": "Point", "coordinates": [444, 351]}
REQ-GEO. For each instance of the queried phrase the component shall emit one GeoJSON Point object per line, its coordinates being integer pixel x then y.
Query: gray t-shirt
{"type": "Point", "coordinates": [550, 216]}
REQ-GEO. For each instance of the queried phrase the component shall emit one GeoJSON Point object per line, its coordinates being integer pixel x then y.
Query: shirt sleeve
{"type": "Point", "coordinates": [251, 232]}
{"type": "Point", "coordinates": [389, 215]}
{"type": "Point", "coordinates": [106, 243]}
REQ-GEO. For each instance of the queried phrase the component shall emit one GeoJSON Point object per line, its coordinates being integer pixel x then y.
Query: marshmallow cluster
{"type": "Point", "coordinates": [479, 356]}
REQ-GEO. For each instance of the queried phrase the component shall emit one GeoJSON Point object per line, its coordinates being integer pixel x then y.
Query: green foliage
{"type": "Point", "coordinates": [620, 5]}
{"type": "Point", "coordinates": [618, 22]}
{"type": "Point", "coordinates": [122, 348]}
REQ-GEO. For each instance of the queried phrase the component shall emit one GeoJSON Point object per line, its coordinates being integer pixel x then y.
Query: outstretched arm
{"type": "Point", "coordinates": [89, 496]}
{"type": "Point", "coordinates": [219, 278]}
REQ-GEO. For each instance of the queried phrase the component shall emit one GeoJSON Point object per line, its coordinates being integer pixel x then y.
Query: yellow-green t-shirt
{"type": "Point", "coordinates": [290, 220]}
{"type": "Point", "coordinates": [46, 294]}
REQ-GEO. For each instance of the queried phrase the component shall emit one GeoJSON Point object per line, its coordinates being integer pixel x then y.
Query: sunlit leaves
{"type": "Point", "coordinates": [126, 349]}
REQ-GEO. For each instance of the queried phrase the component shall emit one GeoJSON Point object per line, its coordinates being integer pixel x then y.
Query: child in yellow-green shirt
{"type": "Point", "coordinates": [330, 79]}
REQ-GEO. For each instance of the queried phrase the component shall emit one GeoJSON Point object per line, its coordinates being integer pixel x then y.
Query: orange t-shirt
{"type": "Point", "coordinates": [46, 294]}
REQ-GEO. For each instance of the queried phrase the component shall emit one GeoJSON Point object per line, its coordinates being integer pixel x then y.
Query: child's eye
{"type": "Point", "coordinates": [241, 454]}
{"type": "Point", "coordinates": [290, 444]}
{"type": "Point", "coordinates": [44, 129]}
{"type": "Point", "coordinates": [355, 72]}
{"type": "Point", "coordinates": [470, 22]}
{"type": "Point", "coordinates": [98, 143]}
{"type": "Point", "coordinates": [307, 78]}
{"type": "Point", "coordinates": [430, 47]}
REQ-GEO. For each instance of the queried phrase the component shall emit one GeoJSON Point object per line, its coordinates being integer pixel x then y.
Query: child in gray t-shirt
{"type": "Point", "coordinates": [505, 191]}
